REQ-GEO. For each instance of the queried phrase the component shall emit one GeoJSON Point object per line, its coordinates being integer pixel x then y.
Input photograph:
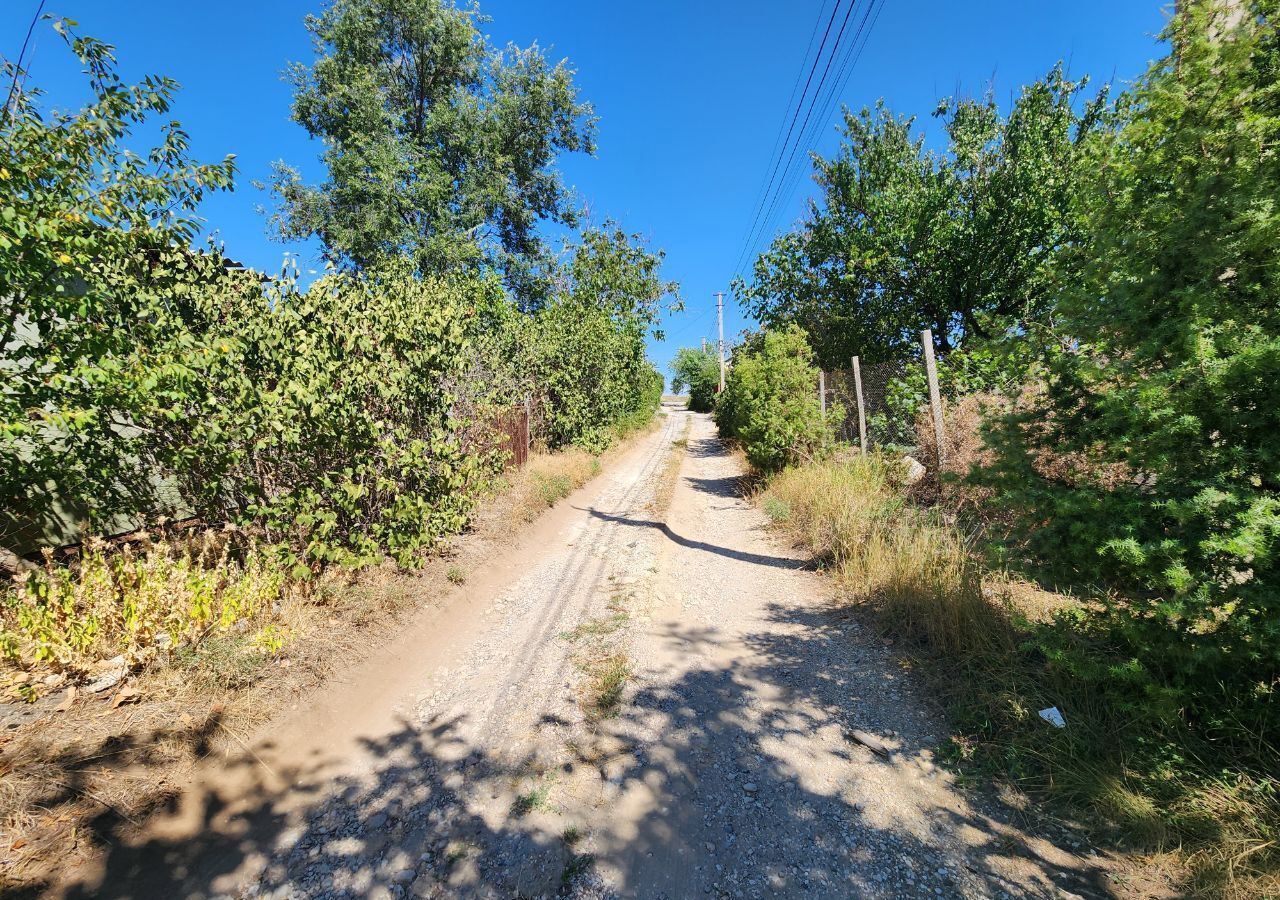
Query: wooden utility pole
{"type": "Point", "coordinates": [720, 325]}
{"type": "Point", "coordinates": [935, 398]}
{"type": "Point", "coordinates": [862, 412]}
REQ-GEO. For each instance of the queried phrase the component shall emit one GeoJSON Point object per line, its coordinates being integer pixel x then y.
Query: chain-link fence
{"type": "Point", "coordinates": [887, 402]}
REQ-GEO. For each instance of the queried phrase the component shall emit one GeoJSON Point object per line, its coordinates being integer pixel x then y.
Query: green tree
{"type": "Point", "coordinates": [698, 372]}
{"type": "Point", "coordinates": [93, 259]}
{"type": "Point", "coordinates": [438, 147]}
{"type": "Point", "coordinates": [589, 341]}
{"type": "Point", "coordinates": [905, 238]}
{"type": "Point", "coordinates": [1166, 402]}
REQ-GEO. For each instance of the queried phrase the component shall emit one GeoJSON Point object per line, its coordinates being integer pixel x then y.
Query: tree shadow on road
{"type": "Point", "coordinates": [401, 826]}
{"type": "Point", "coordinates": [759, 559]}
{"type": "Point", "coordinates": [734, 780]}
{"type": "Point", "coordinates": [753, 787]}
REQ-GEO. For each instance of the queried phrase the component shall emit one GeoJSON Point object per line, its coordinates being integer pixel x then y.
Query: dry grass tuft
{"type": "Point", "coordinates": [914, 567]}
{"type": "Point", "coordinates": [549, 478]}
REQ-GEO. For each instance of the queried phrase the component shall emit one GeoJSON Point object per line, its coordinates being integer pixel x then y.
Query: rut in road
{"type": "Point", "coordinates": [726, 770]}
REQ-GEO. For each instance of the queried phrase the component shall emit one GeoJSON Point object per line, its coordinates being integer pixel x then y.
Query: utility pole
{"type": "Point", "coordinates": [720, 324]}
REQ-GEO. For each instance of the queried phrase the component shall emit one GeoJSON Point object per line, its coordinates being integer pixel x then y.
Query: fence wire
{"type": "Point", "coordinates": [890, 416]}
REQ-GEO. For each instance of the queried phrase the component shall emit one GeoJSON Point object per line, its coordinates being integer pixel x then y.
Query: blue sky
{"type": "Point", "coordinates": [689, 94]}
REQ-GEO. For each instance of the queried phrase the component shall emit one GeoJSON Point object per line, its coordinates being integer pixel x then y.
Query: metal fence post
{"type": "Point", "coordinates": [935, 399]}
{"type": "Point", "coordinates": [822, 392]}
{"type": "Point", "coordinates": [862, 412]}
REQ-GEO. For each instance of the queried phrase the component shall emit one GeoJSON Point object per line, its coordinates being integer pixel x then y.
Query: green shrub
{"type": "Point", "coordinates": [1149, 463]}
{"type": "Point", "coordinates": [770, 404]}
{"type": "Point", "coordinates": [697, 371]}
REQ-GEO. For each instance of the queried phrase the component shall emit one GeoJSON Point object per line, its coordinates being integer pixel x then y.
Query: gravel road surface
{"type": "Point", "coordinates": [649, 696]}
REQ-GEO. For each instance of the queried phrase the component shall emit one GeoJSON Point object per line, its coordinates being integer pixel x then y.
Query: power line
{"type": "Point", "coordinates": [777, 198]}
{"type": "Point", "coordinates": [813, 68]}
{"type": "Point", "coordinates": [824, 103]}
{"type": "Point", "coordinates": [782, 123]}
{"type": "Point", "coordinates": [848, 64]}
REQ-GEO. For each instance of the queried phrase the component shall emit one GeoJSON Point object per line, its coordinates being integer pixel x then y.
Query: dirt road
{"type": "Point", "coordinates": [646, 697]}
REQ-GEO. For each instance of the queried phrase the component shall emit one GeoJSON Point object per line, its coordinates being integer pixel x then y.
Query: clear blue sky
{"type": "Point", "coordinates": [689, 94]}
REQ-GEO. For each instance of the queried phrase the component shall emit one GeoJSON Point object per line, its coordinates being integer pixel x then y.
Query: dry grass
{"type": "Point", "coordinates": [549, 478]}
{"type": "Point", "coordinates": [606, 679]}
{"type": "Point", "coordinates": [914, 567]}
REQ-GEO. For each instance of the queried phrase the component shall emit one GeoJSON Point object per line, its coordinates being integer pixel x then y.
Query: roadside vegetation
{"type": "Point", "coordinates": [1103, 537]}
{"type": "Point", "coordinates": [311, 425]}
{"type": "Point", "coordinates": [696, 370]}
{"type": "Point", "coordinates": [212, 478]}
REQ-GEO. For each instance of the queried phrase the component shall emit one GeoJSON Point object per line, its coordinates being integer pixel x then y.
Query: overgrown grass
{"type": "Point", "coordinates": [549, 478]}
{"type": "Point", "coordinates": [997, 652]}
{"type": "Point", "coordinates": [851, 516]}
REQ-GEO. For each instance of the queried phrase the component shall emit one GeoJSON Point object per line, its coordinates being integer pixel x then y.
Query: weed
{"type": "Point", "coordinates": [775, 509]}
{"type": "Point", "coordinates": [576, 866]}
{"type": "Point", "coordinates": [455, 575]}
{"type": "Point", "coordinates": [537, 798]}
{"type": "Point", "coordinates": [606, 679]}
{"type": "Point", "coordinates": [136, 601]}
{"type": "Point", "coordinates": [457, 851]}
{"type": "Point", "coordinates": [571, 835]}
{"type": "Point", "coordinates": [596, 628]}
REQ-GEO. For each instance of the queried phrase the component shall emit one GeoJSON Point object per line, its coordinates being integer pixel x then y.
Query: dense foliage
{"type": "Point", "coordinates": [698, 372]}
{"type": "Point", "coordinates": [1110, 269]}
{"type": "Point", "coordinates": [1166, 402]}
{"type": "Point", "coordinates": [438, 147]}
{"type": "Point", "coordinates": [87, 273]}
{"type": "Point", "coordinates": [903, 238]}
{"type": "Point", "coordinates": [770, 401]}
{"type": "Point", "coordinates": [341, 421]}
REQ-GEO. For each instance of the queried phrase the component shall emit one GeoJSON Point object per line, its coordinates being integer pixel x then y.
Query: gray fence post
{"type": "Point", "coordinates": [528, 425]}
{"type": "Point", "coordinates": [862, 412]}
{"type": "Point", "coordinates": [822, 392]}
{"type": "Point", "coordinates": [935, 399]}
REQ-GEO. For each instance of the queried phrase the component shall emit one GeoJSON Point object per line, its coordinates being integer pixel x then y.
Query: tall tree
{"type": "Point", "coordinates": [438, 147]}
{"type": "Point", "coordinates": [904, 238]}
